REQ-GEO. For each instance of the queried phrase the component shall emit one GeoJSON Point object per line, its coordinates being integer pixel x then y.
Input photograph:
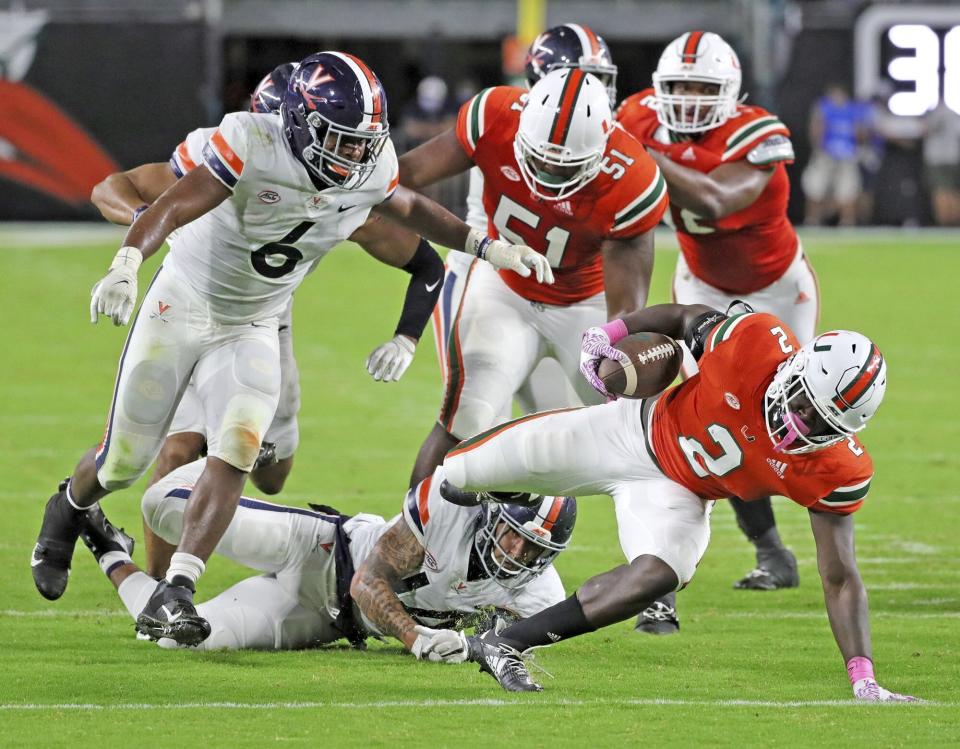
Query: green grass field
{"type": "Point", "coordinates": [748, 669]}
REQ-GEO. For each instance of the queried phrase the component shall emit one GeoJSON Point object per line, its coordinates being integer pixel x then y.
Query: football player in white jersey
{"type": "Point", "coordinates": [276, 194]}
{"type": "Point", "coordinates": [421, 577]}
{"type": "Point", "coordinates": [122, 196]}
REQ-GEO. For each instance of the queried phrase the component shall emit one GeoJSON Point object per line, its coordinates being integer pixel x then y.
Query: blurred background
{"type": "Point", "coordinates": [89, 86]}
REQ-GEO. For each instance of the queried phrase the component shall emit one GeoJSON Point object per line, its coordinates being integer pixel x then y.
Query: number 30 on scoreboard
{"type": "Point", "coordinates": [914, 48]}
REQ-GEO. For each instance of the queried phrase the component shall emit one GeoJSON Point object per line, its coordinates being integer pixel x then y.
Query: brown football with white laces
{"type": "Point", "coordinates": [654, 363]}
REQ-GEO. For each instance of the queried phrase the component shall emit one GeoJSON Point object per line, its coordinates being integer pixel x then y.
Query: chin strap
{"type": "Point", "coordinates": [795, 429]}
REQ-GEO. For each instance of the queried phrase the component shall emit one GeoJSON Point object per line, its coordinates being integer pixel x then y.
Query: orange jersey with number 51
{"type": "Point", "coordinates": [709, 433]}
{"type": "Point", "coordinates": [627, 198]}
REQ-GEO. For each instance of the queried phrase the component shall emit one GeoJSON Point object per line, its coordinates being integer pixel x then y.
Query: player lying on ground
{"type": "Point", "coordinates": [274, 196]}
{"type": "Point", "coordinates": [123, 196]}
{"type": "Point", "coordinates": [763, 416]}
{"type": "Point", "coordinates": [421, 579]}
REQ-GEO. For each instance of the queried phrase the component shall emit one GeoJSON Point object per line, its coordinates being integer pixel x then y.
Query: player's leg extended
{"type": "Point", "coordinates": [571, 452]}
{"type": "Point", "coordinates": [491, 350]}
{"type": "Point", "coordinates": [283, 436]}
{"type": "Point", "coordinates": [239, 385]}
{"type": "Point", "coordinates": [154, 368]}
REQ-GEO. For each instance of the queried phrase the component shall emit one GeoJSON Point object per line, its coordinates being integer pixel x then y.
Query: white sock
{"type": "Point", "coordinates": [112, 559]}
{"type": "Point", "coordinates": [72, 501]}
{"type": "Point", "coordinates": [135, 591]}
{"type": "Point", "coordinates": [188, 565]}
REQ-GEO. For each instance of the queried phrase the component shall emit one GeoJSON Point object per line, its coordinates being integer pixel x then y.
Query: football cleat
{"type": "Point", "coordinates": [101, 536]}
{"type": "Point", "coordinates": [170, 613]}
{"type": "Point", "coordinates": [660, 618]}
{"type": "Point", "coordinates": [774, 571]}
{"type": "Point", "coordinates": [53, 553]}
{"type": "Point", "coordinates": [502, 662]}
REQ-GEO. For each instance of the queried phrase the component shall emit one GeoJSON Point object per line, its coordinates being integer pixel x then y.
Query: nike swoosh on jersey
{"type": "Point", "coordinates": [432, 286]}
{"type": "Point", "coordinates": [342, 208]}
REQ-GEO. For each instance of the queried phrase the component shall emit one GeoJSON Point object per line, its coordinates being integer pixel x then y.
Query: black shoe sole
{"type": "Point", "coordinates": [187, 630]}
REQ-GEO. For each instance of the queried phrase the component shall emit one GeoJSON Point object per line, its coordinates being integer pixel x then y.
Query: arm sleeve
{"type": "Point", "coordinates": [649, 203]}
{"type": "Point", "coordinates": [226, 152]}
{"type": "Point", "coordinates": [844, 500]}
{"type": "Point", "coordinates": [426, 280]}
{"type": "Point", "coordinates": [189, 153]}
{"type": "Point", "coordinates": [753, 134]}
{"type": "Point", "coordinates": [476, 214]}
{"type": "Point", "coordinates": [478, 115]}
{"type": "Point", "coordinates": [699, 331]}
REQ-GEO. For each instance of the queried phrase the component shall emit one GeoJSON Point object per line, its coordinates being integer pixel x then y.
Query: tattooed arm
{"type": "Point", "coordinates": [397, 554]}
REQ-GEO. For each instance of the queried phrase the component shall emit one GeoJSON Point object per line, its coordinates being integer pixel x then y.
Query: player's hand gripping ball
{"type": "Point", "coordinates": [654, 362]}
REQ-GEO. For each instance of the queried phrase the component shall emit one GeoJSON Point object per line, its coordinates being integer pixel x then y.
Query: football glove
{"type": "Point", "coordinates": [869, 691]}
{"type": "Point", "coordinates": [516, 257]}
{"type": "Point", "coordinates": [597, 343]}
{"type": "Point", "coordinates": [440, 645]}
{"type": "Point", "coordinates": [116, 293]}
{"type": "Point", "coordinates": [390, 360]}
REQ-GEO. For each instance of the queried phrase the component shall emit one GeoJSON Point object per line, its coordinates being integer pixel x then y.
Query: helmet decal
{"type": "Point", "coordinates": [689, 54]}
{"type": "Point", "coordinates": [861, 383]}
{"type": "Point", "coordinates": [568, 101]}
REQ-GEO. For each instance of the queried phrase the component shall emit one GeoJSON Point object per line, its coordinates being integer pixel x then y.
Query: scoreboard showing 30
{"type": "Point", "coordinates": [913, 50]}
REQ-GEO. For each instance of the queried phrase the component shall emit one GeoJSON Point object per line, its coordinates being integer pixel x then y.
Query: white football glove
{"type": "Point", "coordinates": [390, 360]}
{"type": "Point", "coordinates": [868, 690]}
{"type": "Point", "coordinates": [516, 257]}
{"type": "Point", "coordinates": [440, 645]}
{"type": "Point", "coordinates": [116, 293]}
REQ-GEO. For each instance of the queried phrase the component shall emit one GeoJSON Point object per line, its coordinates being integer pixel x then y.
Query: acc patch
{"type": "Point", "coordinates": [510, 173]}
{"type": "Point", "coordinates": [268, 196]}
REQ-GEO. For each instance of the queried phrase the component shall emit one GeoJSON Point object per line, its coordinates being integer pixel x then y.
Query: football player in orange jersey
{"type": "Point", "coordinates": [764, 415]}
{"type": "Point", "coordinates": [559, 174]}
{"type": "Point", "coordinates": [724, 163]}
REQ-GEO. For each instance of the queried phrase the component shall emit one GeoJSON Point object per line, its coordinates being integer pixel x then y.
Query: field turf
{"type": "Point", "coordinates": [748, 669]}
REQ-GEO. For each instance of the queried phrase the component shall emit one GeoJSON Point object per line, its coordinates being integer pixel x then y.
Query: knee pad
{"type": "Point", "coordinates": [473, 416]}
{"type": "Point", "coordinates": [241, 432]}
{"type": "Point", "coordinates": [150, 393]}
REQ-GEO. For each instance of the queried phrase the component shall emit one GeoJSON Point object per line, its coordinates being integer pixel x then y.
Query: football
{"type": "Point", "coordinates": [654, 363]}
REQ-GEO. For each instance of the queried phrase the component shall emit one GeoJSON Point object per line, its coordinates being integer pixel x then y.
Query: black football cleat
{"type": "Point", "coordinates": [502, 662]}
{"type": "Point", "coordinates": [102, 536]}
{"type": "Point", "coordinates": [170, 613]}
{"type": "Point", "coordinates": [660, 618]}
{"type": "Point", "coordinates": [53, 553]}
{"type": "Point", "coordinates": [774, 570]}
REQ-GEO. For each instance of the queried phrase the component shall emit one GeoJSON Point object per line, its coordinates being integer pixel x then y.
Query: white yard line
{"type": "Point", "coordinates": [486, 703]}
{"type": "Point", "coordinates": [700, 615]}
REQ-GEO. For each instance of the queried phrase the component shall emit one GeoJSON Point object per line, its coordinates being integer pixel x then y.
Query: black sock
{"type": "Point", "coordinates": [559, 622]}
{"type": "Point", "coordinates": [755, 518]}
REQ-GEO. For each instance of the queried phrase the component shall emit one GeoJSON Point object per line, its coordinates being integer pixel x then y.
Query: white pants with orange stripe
{"type": "Point", "coordinates": [593, 450]}
{"type": "Point", "coordinates": [284, 430]}
{"type": "Point", "coordinates": [236, 369]}
{"type": "Point", "coordinates": [495, 339]}
{"type": "Point", "coordinates": [794, 298]}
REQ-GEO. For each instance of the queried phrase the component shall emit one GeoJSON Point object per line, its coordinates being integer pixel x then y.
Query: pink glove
{"type": "Point", "coordinates": [597, 344]}
{"type": "Point", "coordinates": [865, 687]}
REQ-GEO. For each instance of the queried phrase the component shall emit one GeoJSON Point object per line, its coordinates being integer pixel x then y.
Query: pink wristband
{"type": "Point", "coordinates": [859, 668]}
{"type": "Point", "coordinates": [616, 330]}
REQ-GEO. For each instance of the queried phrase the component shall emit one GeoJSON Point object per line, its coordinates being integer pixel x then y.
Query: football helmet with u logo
{"type": "Point", "coordinates": [572, 45]}
{"type": "Point", "coordinates": [335, 118]}
{"type": "Point", "coordinates": [563, 133]}
{"type": "Point", "coordinates": [697, 57]}
{"type": "Point", "coordinates": [545, 526]}
{"type": "Point", "coordinates": [842, 374]}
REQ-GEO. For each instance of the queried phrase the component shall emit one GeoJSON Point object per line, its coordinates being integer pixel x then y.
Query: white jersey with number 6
{"type": "Point", "coordinates": [248, 254]}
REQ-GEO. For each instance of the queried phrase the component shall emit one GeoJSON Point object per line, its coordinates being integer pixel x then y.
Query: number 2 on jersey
{"type": "Point", "coordinates": [730, 458]}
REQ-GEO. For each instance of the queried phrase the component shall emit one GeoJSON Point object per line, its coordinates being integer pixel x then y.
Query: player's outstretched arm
{"type": "Point", "coordinates": [192, 196]}
{"type": "Point", "coordinates": [846, 599]}
{"type": "Point", "coordinates": [627, 269]}
{"type": "Point", "coordinates": [727, 189]}
{"type": "Point", "coordinates": [438, 158]}
{"type": "Point", "coordinates": [417, 212]}
{"type": "Point", "coordinates": [396, 555]}
{"type": "Point", "coordinates": [122, 195]}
